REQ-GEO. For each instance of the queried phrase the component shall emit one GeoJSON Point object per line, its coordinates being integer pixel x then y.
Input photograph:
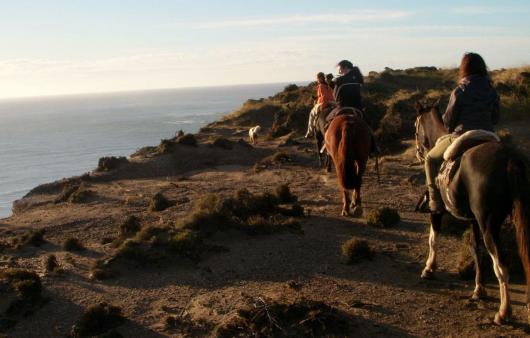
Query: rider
{"type": "Point", "coordinates": [325, 100]}
{"type": "Point", "coordinates": [329, 81]}
{"type": "Point", "coordinates": [347, 89]}
{"type": "Point", "coordinates": [347, 94]}
{"type": "Point", "coordinates": [474, 104]}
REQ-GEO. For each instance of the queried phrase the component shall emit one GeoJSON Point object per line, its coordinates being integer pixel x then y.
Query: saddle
{"type": "Point", "coordinates": [448, 170]}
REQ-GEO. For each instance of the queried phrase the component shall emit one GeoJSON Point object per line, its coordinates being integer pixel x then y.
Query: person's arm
{"type": "Point", "coordinates": [451, 115]}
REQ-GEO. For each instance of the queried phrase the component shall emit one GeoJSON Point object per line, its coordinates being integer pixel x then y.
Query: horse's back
{"type": "Point", "coordinates": [484, 177]}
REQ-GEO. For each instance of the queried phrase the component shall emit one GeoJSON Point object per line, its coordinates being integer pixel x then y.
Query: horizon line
{"type": "Point", "coordinates": [125, 91]}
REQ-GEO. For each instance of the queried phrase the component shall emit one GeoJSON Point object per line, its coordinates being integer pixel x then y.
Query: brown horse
{"type": "Point", "coordinates": [489, 185]}
{"type": "Point", "coordinates": [348, 141]}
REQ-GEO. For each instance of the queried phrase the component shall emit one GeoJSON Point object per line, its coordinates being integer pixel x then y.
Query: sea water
{"type": "Point", "coordinates": [46, 139]}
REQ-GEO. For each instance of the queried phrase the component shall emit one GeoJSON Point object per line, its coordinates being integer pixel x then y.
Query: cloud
{"type": "Point", "coordinates": [358, 16]}
{"type": "Point", "coordinates": [478, 9]}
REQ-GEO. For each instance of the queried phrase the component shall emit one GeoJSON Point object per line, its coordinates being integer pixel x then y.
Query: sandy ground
{"type": "Point", "coordinates": [384, 296]}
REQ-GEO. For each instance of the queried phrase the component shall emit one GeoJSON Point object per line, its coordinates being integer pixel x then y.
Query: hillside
{"type": "Point", "coordinates": [207, 235]}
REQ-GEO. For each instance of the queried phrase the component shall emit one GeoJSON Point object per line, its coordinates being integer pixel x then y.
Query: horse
{"type": "Point", "coordinates": [489, 185]}
{"type": "Point", "coordinates": [319, 132]}
{"type": "Point", "coordinates": [348, 140]}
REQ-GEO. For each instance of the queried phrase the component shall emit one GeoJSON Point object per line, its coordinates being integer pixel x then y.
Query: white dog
{"type": "Point", "coordinates": [253, 134]}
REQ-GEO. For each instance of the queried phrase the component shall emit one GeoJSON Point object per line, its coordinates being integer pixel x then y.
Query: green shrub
{"type": "Point", "coordinates": [383, 217]}
{"type": "Point", "coordinates": [354, 250]}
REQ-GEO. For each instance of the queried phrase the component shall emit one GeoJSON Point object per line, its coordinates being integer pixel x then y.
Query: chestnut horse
{"type": "Point", "coordinates": [348, 140]}
{"type": "Point", "coordinates": [489, 184]}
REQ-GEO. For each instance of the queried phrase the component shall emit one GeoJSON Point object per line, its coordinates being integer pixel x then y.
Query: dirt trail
{"type": "Point", "coordinates": [384, 296]}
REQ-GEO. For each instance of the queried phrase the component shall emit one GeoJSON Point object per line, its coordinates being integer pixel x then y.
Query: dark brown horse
{"type": "Point", "coordinates": [348, 141]}
{"type": "Point", "coordinates": [489, 185]}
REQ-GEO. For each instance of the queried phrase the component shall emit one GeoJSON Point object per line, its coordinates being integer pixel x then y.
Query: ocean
{"type": "Point", "coordinates": [46, 139]}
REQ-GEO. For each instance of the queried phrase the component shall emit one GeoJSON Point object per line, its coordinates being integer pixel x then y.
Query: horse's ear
{"type": "Point", "coordinates": [419, 108]}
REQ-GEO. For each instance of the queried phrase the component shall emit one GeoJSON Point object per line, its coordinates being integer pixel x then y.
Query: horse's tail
{"type": "Point", "coordinates": [347, 167]}
{"type": "Point", "coordinates": [521, 214]}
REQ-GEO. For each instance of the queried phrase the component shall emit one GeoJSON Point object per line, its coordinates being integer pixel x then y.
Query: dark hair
{"type": "Point", "coordinates": [345, 64]}
{"type": "Point", "coordinates": [329, 76]}
{"type": "Point", "coordinates": [358, 75]}
{"type": "Point", "coordinates": [473, 64]}
{"type": "Point", "coordinates": [321, 77]}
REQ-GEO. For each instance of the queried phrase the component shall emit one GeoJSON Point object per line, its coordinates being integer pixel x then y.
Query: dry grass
{"type": "Point", "coordinates": [303, 318]}
{"type": "Point", "coordinates": [159, 202]}
{"type": "Point", "coordinates": [355, 250]}
{"type": "Point", "coordinates": [383, 217]}
{"type": "Point", "coordinates": [111, 163]}
{"type": "Point", "coordinates": [31, 237]}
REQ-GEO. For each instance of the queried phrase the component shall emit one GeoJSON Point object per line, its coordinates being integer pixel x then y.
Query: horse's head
{"type": "Point", "coordinates": [424, 127]}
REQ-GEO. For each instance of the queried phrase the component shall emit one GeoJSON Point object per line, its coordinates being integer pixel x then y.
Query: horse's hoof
{"type": "Point", "coordinates": [427, 274]}
{"type": "Point", "coordinates": [345, 213]}
{"type": "Point", "coordinates": [478, 294]}
{"type": "Point", "coordinates": [357, 211]}
{"type": "Point", "coordinates": [500, 320]}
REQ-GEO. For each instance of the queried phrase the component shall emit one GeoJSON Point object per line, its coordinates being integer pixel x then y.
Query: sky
{"type": "Point", "coordinates": [76, 46]}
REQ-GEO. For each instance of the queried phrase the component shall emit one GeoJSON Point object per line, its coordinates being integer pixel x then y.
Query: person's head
{"type": "Point", "coordinates": [472, 64]}
{"type": "Point", "coordinates": [329, 77]}
{"type": "Point", "coordinates": [321, 77]}
{"type": "Point", "coordinates": [344, 66]}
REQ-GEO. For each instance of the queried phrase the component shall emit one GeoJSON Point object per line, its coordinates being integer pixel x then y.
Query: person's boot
{"type": "Point", "coordinates": [436, 203]}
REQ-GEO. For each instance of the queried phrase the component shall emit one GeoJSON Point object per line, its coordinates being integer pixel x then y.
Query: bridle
{"type": "Point", "coordinates": [420, 149]}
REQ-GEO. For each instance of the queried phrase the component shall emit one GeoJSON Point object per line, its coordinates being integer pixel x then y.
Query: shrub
{"type": "Point", "coordinates": [223, 143]}
{"type": "Point", "coordinates": [27, 284]}
{"type": "Point", "coordinates": [159, 202]}
{"type": "Point", "coordinates": [283, 194]}
{"type": "Point", "coordinates": [187, 140]}
{"type": "Point", "coordinates": [50, 264]}
{"type": "Point", "coordinates": [101, 271]}
{"type": "Point", "coordinates": [276, 159]}
{"type": "Point", "coordinates": [187, 243]}
{"type": "Point", "coordinates": [383, 217]}
{"type": "Point", "coordinates": [72, 244]}
{"type": "Point", "coordinates": [355, 250]}
{"type": "Point", "coordinates": [130, 226]}
{"type": "Point", "coordinates": [97, 320]}
{"type": "Point", "coordinates": [32, 237]}
{"type": "Point", "coordinates": [80, 195]}
{"type": "Point", "coordinates": [111, 163]}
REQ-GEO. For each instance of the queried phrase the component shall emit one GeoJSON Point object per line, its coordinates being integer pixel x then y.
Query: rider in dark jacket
{"type": "Point", "coordinates": [347, 89]}
{"type": "Point", "coordinates": [474, 104]}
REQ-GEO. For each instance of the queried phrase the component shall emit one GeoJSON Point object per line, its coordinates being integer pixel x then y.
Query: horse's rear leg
{"type": "Point", "coordinates": [345, 203]}
{"type": "Point", "coordinates": [492, 242]}
{"type": "Point", "coordinates": [430, 265]}
{"type": "Point", "coordinates": [356, 202]}
{"type": "Point", "coordinates": [479, 291]}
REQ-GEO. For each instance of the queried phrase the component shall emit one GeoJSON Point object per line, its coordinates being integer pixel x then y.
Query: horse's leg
{"type": "Point", "coordinates": [356, 202]}
{"type": "Point", "coordinates": [345, 203]}
{"type": "Point", "coordinates": [328, 163]}
{"type": "Point", "coordinates": [430, 265]}
{"type": "Point", "coordinates": [475, 238]}
{"type": "Point", "coordinates": [492, 241]}
{"type": "Point", "coordinates": [319, 147]}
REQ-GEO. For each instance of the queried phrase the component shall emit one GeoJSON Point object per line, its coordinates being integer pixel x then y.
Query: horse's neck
{"type": "Point", "coordinates": [437, 129]}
